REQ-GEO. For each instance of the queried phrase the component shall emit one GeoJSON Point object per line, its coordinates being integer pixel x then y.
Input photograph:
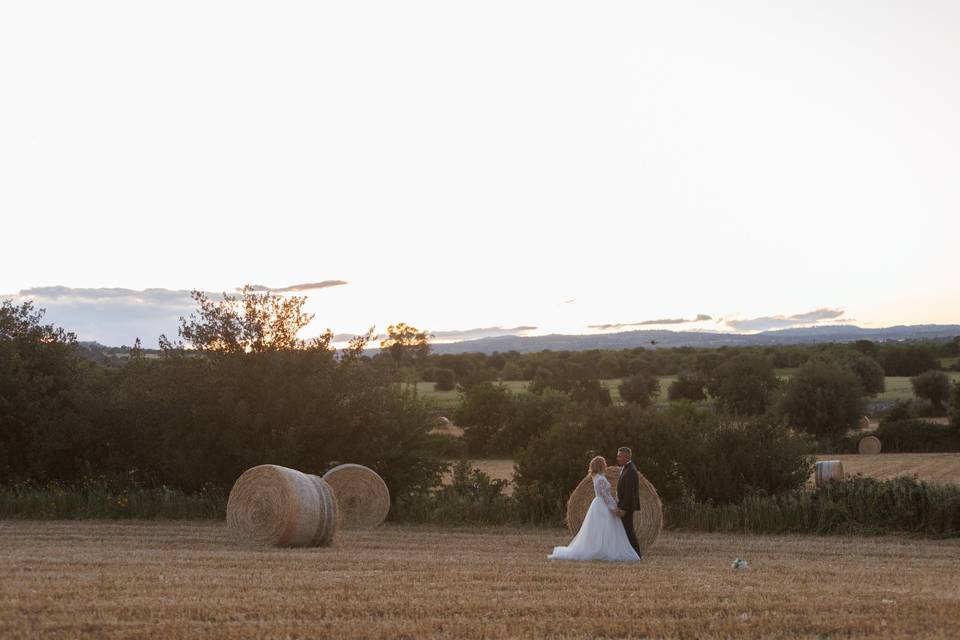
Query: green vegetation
{"type": "Point", "coordinates": [918, 436]}
{"type": "Point", "coordinates": [933, 386]}
{"type": "Point", "coordinates": [857, 505]}
{"type": "Point", "coordinates": [824, 398]}
{"type": "Point", "coordinates": [99, 499]}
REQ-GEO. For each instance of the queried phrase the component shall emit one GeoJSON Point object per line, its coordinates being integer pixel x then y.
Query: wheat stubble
{"type": "Point", "coordinates": [188, 580]}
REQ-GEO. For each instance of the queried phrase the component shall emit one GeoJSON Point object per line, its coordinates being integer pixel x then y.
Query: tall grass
{"type": "Point", "coordinates": [856, 506]}
{"type": "Point", "coordinates": [99, 500]}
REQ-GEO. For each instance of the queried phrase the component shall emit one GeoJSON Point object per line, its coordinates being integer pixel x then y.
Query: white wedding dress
{"type": "Point", "coordinates": [601, 536]}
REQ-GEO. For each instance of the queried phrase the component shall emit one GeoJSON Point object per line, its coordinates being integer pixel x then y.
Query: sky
{"type": "Point", "coordinates": [482, 168]}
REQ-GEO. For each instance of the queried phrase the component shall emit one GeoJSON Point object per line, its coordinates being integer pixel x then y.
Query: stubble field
{"type": "Point", "coordinates": [173, 580]}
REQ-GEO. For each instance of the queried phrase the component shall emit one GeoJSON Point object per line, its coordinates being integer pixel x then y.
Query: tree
{"type": "Point", "coordinates": [955, 405]}
{"type": "Point", "coordinates": [744, 384]}
{"type": "Point", "coordinates": [933, 386]}
{"type": "Point", "coordinates": [485, 410]}
{"type": "Point", "coordinates": [686, 387]}
{"type": "Point", "coordinates": [870, 372]}
{"type": "Point", "coordinates": [640, 389]}
{"type": "Point", "coordinates": [446, 380]}
{"type": "Point", "coordinates": [253, 323]}
{"type": "Point", "coordinates": [823, 398]}
{"type": "Point", "coordinates": [906, 359]}
{"type": "Point", "coordinates": [42, 386]}
{"type": "Point", "coordinates": [406, 344]}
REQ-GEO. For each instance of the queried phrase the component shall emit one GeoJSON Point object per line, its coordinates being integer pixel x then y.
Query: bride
{"type": "Point", "coordinates": [601, 536]}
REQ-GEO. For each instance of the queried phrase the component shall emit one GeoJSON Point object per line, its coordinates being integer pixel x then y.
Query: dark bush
{"type": "Point", "coordinates": [472, 497]}
{"type": "Point", "coordinates": [917, 436]}
{"type": "Point", "coordinates": [907, 359]}
{"type": "Point", "coordinates": [444, 380]}
{"type": "Point", "coordinates": [856, 506]}
{"type": "Point", "coordinates": [823, 399]}
{"type": "Point", "coordinates": [933, 386]}
{"type": "Point", "coordinates": [955, 405]}
{"type": "Point", "coordinates": [686, 452]}
{"type": "Point", "coordinates": [686, 387]}
{"type": "Point", "coordinates": [484, 412]}
{"type": "Point", "coordinates": [744, 384]}
{"type": "Point", "coordinates": [640, 389]}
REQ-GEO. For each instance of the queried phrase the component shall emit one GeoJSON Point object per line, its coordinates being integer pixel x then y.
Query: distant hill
{"type": "Point", "coordinates": [656, 339]}
{"type": "Point", "coordinates": [663, 339]}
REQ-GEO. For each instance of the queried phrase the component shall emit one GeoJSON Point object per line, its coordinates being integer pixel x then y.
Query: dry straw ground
{"type": "Point", "coordinates": [163, 580]}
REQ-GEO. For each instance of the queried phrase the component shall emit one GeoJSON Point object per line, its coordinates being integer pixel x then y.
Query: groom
{"type": "Point", "coordinates": [628, 494]}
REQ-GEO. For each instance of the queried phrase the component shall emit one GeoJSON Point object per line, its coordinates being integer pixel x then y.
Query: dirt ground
{"type": "Point", "coordinates": [190, 580]}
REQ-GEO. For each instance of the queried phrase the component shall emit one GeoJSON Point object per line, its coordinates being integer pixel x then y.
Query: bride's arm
{"type": "Point", "coordinates": [602, 489]}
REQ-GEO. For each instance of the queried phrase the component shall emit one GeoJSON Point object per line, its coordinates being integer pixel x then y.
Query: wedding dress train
{"type": "Point", "coordinates": [601, 536]}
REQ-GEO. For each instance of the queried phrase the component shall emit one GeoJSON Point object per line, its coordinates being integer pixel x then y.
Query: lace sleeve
{"type": "Point", "coordinates": [602, 488]}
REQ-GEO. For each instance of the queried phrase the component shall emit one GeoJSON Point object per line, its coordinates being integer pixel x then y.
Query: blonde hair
{"type": "Point", "coordinates": [597, 465]}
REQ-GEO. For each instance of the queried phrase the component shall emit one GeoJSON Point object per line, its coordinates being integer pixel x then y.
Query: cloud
{"type": "Point", "coordinates": [308, 286]}
{"type": "Point", "coordinates": [456, 335]}
{"type": "Point", "coordinates": [766, 323]}
{"type": "Point", "coordinates": [112, 316]}
{"type": "Point", "coordinates": [702, 317]}
{"type": "Point", "coordinates": [117, 316]}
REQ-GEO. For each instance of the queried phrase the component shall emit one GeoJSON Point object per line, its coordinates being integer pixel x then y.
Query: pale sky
{"type": "Point", "coordinates": [473, 165]}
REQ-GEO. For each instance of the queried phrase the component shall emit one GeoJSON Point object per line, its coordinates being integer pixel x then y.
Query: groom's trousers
{"type": "Point", "coordinates": [627, 520]}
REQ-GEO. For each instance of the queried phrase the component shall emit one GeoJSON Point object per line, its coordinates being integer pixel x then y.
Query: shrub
{"type": "Point", "coordinates": [686, 452]}
{"type": "Point", "coordinates": [868, 370]}
{"type": "Point", "coordinates": [511, 371]}
{"type": "Point", "coordinates": [858, 505]}
{"type": "Point", "coordinates": [686, 387]}
{"type": "Point", "coordinates": [744, 384]}
{"type": "Point", "coordinates": [933, 386]}
{"type": "Point", "coordinates": [823, 399]}
{"type": "Point", "coordinates": [530, 415]}
{"type": "Point", "coordinates": [917, 436]}
{"type": "Point", "coordinates": [96, 498]}
{"type": "Point", "coordinates": [444, 380]}
{"type": "Point", "coordinates": [471, 498]}
{"type": "Point", "coordinates": [955, 405]}
{"type": "Point", "coordinates": [906, 359]}
{"type": "Point", "coordinates": [901, 410]}
{"type": "Point", "coordinates": [640, 388]}
{"type": "Point", "coordinates": [485, 410]}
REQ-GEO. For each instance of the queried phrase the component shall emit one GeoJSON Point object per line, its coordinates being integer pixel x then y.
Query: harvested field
{"type": "Point", "coordinates": [165, 580]}
{"type": "Point", "coordinates": [930, 467]}
{"type": "Point", "coordinates": [941, 468]}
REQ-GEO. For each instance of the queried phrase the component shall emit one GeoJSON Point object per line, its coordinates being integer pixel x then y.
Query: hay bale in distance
{"type": "Point", "coordinates": [274, 505]}
{"type": "Point", "coordinates": [828, 471]}
{"type": "Point", "coordinates": [362, 495]}
{"type": "Point", "coordinates": [869, 445]}
{"type": "Point", "coordinates": [647, 521]}
{"type": "Point", "coordinates": [864, 422]}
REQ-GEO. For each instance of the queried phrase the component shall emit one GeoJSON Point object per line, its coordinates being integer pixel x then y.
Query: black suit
{"type": "Point", "coordinates": [628, 500]}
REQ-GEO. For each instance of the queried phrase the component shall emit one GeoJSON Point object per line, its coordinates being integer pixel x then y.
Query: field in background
{"type": "Point", "coordinates": [166, 580]}
{"type": "Point", "coordinates": [930, 467]}
{"type": "Point", "coordinates": [898, 388]}
{"type": "Point", "coordinates": [941, 468]}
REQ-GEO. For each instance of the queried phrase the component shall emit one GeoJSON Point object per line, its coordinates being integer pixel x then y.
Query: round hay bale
{"type": "Point", "coordinates": [828, 471]}
{"type": "Point", "coordinates": [869, 445]}
{"type": "Point", "coordinates": [274, 505]}
{"type": "Point", "coordinates": [362, 495]}
{"type": "Point", "coordinates": [647, 522]}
